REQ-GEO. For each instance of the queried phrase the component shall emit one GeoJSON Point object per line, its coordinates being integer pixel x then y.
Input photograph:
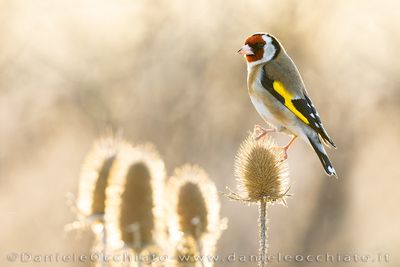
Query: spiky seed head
{"type": "Point", "coordinates": [94, 175]}
{"type": "Point", "coordinates": [137, 204]}
{"type": "Point", "coordinates": [192, 210]}
{"type": "Point", "coordinates": [194, 207]}
{"type": "Point", "coordinates": [134, 212]}
{"type": "Point", "coordinates": [261, 170]}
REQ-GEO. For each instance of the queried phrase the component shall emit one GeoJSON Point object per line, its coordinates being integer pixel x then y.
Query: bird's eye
{"type": "Point", "coordinates": [259, 45]}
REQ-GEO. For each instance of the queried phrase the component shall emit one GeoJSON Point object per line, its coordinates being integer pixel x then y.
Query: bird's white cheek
{"type": "Point", "coordinates": [269, 49]}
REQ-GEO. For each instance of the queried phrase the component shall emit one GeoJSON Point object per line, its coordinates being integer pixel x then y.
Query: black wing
{"type": "Point", "coordinates": [306, 107]}
{"type": "Point", "coordinates": [302, 107]}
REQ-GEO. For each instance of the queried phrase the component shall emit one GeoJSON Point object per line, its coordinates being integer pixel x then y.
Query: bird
{"type": "Point", "coordinates": [279, 95]}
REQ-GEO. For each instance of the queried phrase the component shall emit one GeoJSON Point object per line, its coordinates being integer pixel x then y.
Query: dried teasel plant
{"type": "Point", "coordinates": [194, 213]}
{"type": "Point", "coordinates": [263, 178]}
{"type": "Point", "coordinates": [90, 204]}
{"type": "Point", "coordinates": [134, 207]}
{"type": "Point", "coordinates": [94, 176]}
{"type": "Point", "coordinates": [93, 180]}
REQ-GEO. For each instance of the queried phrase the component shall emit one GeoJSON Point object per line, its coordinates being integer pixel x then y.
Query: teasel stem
{"type": "Point", "coordinates": [263, 232]}
{"type": "Point", "coordinates": [104, 247]}
{"type": "Point", "coordinates": [136, 239]}
{"type": "Point", "coordinates": [101, 240]}
{"type": "Point", "coordinates": [196, 221]}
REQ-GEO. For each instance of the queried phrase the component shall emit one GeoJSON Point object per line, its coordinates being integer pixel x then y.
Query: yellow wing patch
{"type": "Point", "coordinates": [280, 89]}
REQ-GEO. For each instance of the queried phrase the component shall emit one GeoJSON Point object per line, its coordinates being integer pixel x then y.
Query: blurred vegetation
{"type": "Point", "coordinates": [167, 72]}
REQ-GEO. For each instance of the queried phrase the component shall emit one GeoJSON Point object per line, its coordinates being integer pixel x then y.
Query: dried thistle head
{"type": "Point", "coordinates": [95, 173]}
{"type": "Point", "coordinates": [262, 170]}
{"type": "Point", "coordinates": [134, 212]}
{"type": "Point", "coordinates": [194, 207]}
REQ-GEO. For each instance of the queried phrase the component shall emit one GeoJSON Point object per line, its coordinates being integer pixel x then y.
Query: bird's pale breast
{"type": "Point", "coordinates": [269, 108]}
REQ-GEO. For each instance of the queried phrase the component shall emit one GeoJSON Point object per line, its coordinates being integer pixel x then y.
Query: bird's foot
{"type": "Point", "coordinates": [286, 148]}
{"type": "Point", "coordinates": [260, 132]}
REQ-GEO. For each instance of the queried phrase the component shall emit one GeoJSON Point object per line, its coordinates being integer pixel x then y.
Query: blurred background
{"type": "Point", "coordinates": [167, 72]}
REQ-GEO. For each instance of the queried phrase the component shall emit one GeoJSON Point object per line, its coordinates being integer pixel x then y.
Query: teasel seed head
{"type": "Point", "coordinates": [262, 171]}
{"type": "Point", "coordinates": [95, 174]}
{"type": "Point", "coordinates": [134, 206]}
{"type": "Point", "coordinates": [194, 208]}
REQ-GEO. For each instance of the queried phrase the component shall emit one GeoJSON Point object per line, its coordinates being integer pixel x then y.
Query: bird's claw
{"type": "Point", "coordinates": [286, 148]}
{"type": "Point", "coordinates": [259, 132]}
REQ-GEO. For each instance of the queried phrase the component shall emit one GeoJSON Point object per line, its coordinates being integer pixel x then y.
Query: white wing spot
{"type": "Point", "coordinates": [330, 169]}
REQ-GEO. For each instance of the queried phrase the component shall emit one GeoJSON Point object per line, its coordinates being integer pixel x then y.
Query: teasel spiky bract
{"type": "Point", "coordinates": [134, 207]}
{"type": "Point", "coordinates": [194, 210]}
{"type": "Point", "coordinates": [263, 178]}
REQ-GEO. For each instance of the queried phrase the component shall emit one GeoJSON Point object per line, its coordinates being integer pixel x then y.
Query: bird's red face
{"type": "Point", "coordinates": [253, 47]}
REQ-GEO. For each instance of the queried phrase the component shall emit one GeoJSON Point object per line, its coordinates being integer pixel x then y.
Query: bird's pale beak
{"type": "Point", "coordinates": [246, 50]}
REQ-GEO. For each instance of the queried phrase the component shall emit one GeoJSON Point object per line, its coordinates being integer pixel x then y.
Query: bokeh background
{"type": "Point", "coordinates": [167, 72]}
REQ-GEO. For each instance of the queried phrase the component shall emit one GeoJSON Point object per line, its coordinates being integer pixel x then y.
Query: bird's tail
{"type": "Point", "coordinates": [322, 155]}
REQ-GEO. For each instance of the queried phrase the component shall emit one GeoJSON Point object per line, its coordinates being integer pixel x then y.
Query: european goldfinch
{"type": "Point", "coordinates": [279, 95]}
